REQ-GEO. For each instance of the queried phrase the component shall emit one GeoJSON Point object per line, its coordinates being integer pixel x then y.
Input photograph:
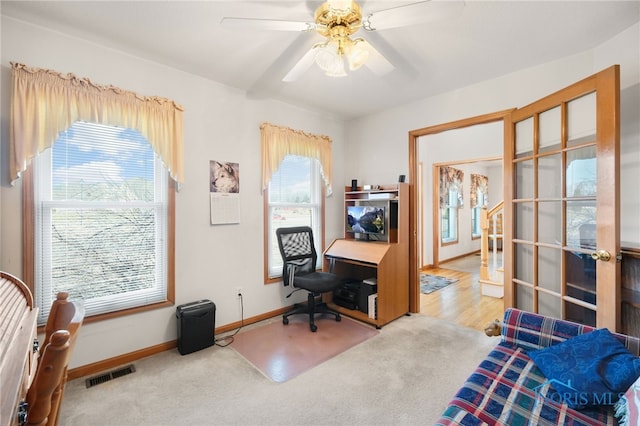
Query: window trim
{"type": "Point", "coordinates": [476, 210]}
{"type": "Point", "coordinates": [457, 239]}
{"type": "Point", "coordinates": [455, 193]}
{"type": "Point", "coordinates": [28, 248]}
{"type": "Point", "coordinates": [265, 225]}
{"type": "Point", "coordinates": [475, 236]}
{"type": "Point", "coordinates": [481, 203]}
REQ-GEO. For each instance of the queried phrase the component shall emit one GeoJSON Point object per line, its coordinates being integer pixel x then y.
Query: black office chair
{"type": "Point", "coordinates": [299, 270]}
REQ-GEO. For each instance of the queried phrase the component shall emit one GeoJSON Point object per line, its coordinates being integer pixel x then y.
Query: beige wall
{"type": "Point", "coordinates": [222, 123]}
{"type": "Point", "coordinates": [387, 131]}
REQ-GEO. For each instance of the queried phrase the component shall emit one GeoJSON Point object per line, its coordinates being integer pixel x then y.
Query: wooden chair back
{"type": "Point", "coordinates": [45, 394]}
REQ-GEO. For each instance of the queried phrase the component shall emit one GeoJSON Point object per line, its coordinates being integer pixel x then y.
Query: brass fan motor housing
{"type": "Point", "coordinates": [335, 25]}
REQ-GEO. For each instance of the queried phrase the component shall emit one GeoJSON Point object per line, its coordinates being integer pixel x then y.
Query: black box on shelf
{"type": "Point", "coordinates": [367, 288]}
{"type": "Point", "coordinates": [196, 325]}
{"type": "Point", "coordinates": [347, 295]}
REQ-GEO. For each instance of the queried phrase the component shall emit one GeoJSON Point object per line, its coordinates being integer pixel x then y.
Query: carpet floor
{"type": "Point", "coordinates": [430, 283]}
{"type": "Point", "coordinates": [281, 352]}
{"type": "Point", "coordinates": [404, 375]}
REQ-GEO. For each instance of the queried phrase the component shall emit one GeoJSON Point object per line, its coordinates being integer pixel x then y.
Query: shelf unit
{"type": "Point", "coordinates": [630, 288]}
{"type": "Point", "coordinates": [386, 260]}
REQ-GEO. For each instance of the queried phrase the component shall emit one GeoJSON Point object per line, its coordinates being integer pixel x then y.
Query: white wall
{"type": "Point", "coordinates": [625, 50]}
{"type": "Point", "coordinates": [220, 123]}
{"type": "Point", "coordinates": [454, 147]}
{"type": "Point", "coordinates": [3, 154]}
{"type": "Point", "coordinates": [387, 132]}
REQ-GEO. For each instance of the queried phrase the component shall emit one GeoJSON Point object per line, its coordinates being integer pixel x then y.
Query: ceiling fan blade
{"type": "Point", "coordinates": [269, 85]}
{"type": "Point", "coordinates": [266, 24]}
{"type": "Point", "coordinates": [402, 65]}
{"type": "Point", "coordinates": [412, 14]}
{"type": "Point", "coordinates": [301, 66]}
{"type": "Point", "coordinates": [376, 62]}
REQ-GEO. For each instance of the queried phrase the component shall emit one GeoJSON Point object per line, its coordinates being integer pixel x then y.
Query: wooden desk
{"type": "Point", "coordinates": [388, 263]}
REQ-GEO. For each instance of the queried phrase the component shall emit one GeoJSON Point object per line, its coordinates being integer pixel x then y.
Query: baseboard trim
{"type": "Point", "coordinates": [451, 259]}
{"type": "Point", "coordinates": [111, 363]}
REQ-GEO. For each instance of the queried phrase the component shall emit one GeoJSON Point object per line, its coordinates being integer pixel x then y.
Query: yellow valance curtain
{"type": "Point", "coordinates": [278, 142]}
{"type": "Point", "coordinates": [45, 103]}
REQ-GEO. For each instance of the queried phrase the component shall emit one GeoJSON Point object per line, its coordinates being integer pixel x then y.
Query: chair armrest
{"type": "Point", "coordinates": [535, 331]}
{"type": "Point", "coordinates": [291, 272]}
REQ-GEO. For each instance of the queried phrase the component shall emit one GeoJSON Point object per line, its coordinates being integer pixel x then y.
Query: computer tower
{"type": "Point", "coordinates": [196, 326]}
{"type": "Point", "coordinates": [367, 288]}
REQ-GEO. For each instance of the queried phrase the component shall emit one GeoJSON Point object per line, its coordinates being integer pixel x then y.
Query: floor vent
{"type": "Point", "coordinates": [93, 381]}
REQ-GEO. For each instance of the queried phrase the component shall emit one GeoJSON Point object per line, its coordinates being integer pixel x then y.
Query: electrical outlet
{"type": "Point", "coordinates": [238, 291]}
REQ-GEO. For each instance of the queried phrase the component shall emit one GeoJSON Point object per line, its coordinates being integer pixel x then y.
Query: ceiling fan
{"type": "Point", "coordinates": [337, 21]}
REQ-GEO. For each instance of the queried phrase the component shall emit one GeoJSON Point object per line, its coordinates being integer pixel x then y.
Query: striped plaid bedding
{"type": "Point", "coordinates": [508, 389]}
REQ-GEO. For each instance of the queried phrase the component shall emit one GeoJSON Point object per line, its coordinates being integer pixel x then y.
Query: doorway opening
{"type": "Point", "coordinates": [479, 139]}
{"type": "Point", "coordinates": [464, 301]}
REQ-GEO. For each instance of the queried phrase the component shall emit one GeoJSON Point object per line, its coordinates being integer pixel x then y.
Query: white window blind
{"type": "Point", "coordinates": [101, 220]}
{"type": "Point", "coordinates": [295, 197]}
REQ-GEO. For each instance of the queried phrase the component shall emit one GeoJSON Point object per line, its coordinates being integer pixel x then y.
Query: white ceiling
{"type": "Point", "coordinates": [487, 39]}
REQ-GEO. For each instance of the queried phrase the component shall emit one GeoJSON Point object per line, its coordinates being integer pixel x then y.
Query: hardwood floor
{"type": "Point", "coordinates": [462, 302]}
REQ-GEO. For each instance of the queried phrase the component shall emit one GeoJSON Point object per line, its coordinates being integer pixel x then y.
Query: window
{"type": "Point", "coordinates": [296, 166]}
{"type": "Point", "coordinates": [449, 222]}
{"type": "Point", "coordinates": [293, 198]}
{"type": "Point", "coordinates": [103, 209]}
{"type": "Point", "coordinates": [98, 207]}
{"type": "Point", "coordinates": [476, 229]}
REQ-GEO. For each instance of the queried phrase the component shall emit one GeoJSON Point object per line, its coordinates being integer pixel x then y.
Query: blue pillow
{"type": "Point", "coordinates": [589, 369]}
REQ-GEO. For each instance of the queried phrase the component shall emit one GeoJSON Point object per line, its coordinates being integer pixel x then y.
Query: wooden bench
{"type": "Point", "coordinates": [38, 381]}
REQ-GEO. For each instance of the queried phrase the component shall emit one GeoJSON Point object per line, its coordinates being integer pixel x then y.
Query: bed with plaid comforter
{"type": "Point", "coordinates": [508, 389]}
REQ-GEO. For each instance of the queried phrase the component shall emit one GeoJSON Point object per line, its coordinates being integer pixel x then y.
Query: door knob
{"type": "Point", "coordinates": [601, 255]}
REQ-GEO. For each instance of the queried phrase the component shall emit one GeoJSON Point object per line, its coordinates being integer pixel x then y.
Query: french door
{"type": "Point", "coordinates": [562, 159]}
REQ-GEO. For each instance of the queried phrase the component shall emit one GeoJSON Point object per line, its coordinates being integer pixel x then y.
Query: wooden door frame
{"type": "Point", "coordinates": [606, 85]}
{"type": "Point", "coordinates": [414, 136]}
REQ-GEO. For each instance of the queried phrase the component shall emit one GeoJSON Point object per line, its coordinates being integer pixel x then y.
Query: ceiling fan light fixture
{"type": "Point", "coordinates": [327, 57]}
{"type": "Point", "coordinates": [340, 7]}
{"type": "Point", "coordinates": [357, 54]}
{"type": "Point", "coordinates": [339, 20]}
{"type": "Point", "coordinates": [338, 69]}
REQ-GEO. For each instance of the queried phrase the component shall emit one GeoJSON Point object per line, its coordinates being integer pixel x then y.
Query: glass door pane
{"type": "Point", "coordinates": [549, 227]}
{"type": "Point", "coordinates": [581, 117]}
{"type": "Point", "coordinates": [581, 224]}
{"type": "Point", "coordinates": [550, 176]}
{"type": "Point", "coordinates": [524, 138]}
{"type": "Point", "coordinates": [550, 126]}
{"type": "Point", "coordinates": [557, 225]}
{"type": "Point", "coordinates": [581, 177]}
